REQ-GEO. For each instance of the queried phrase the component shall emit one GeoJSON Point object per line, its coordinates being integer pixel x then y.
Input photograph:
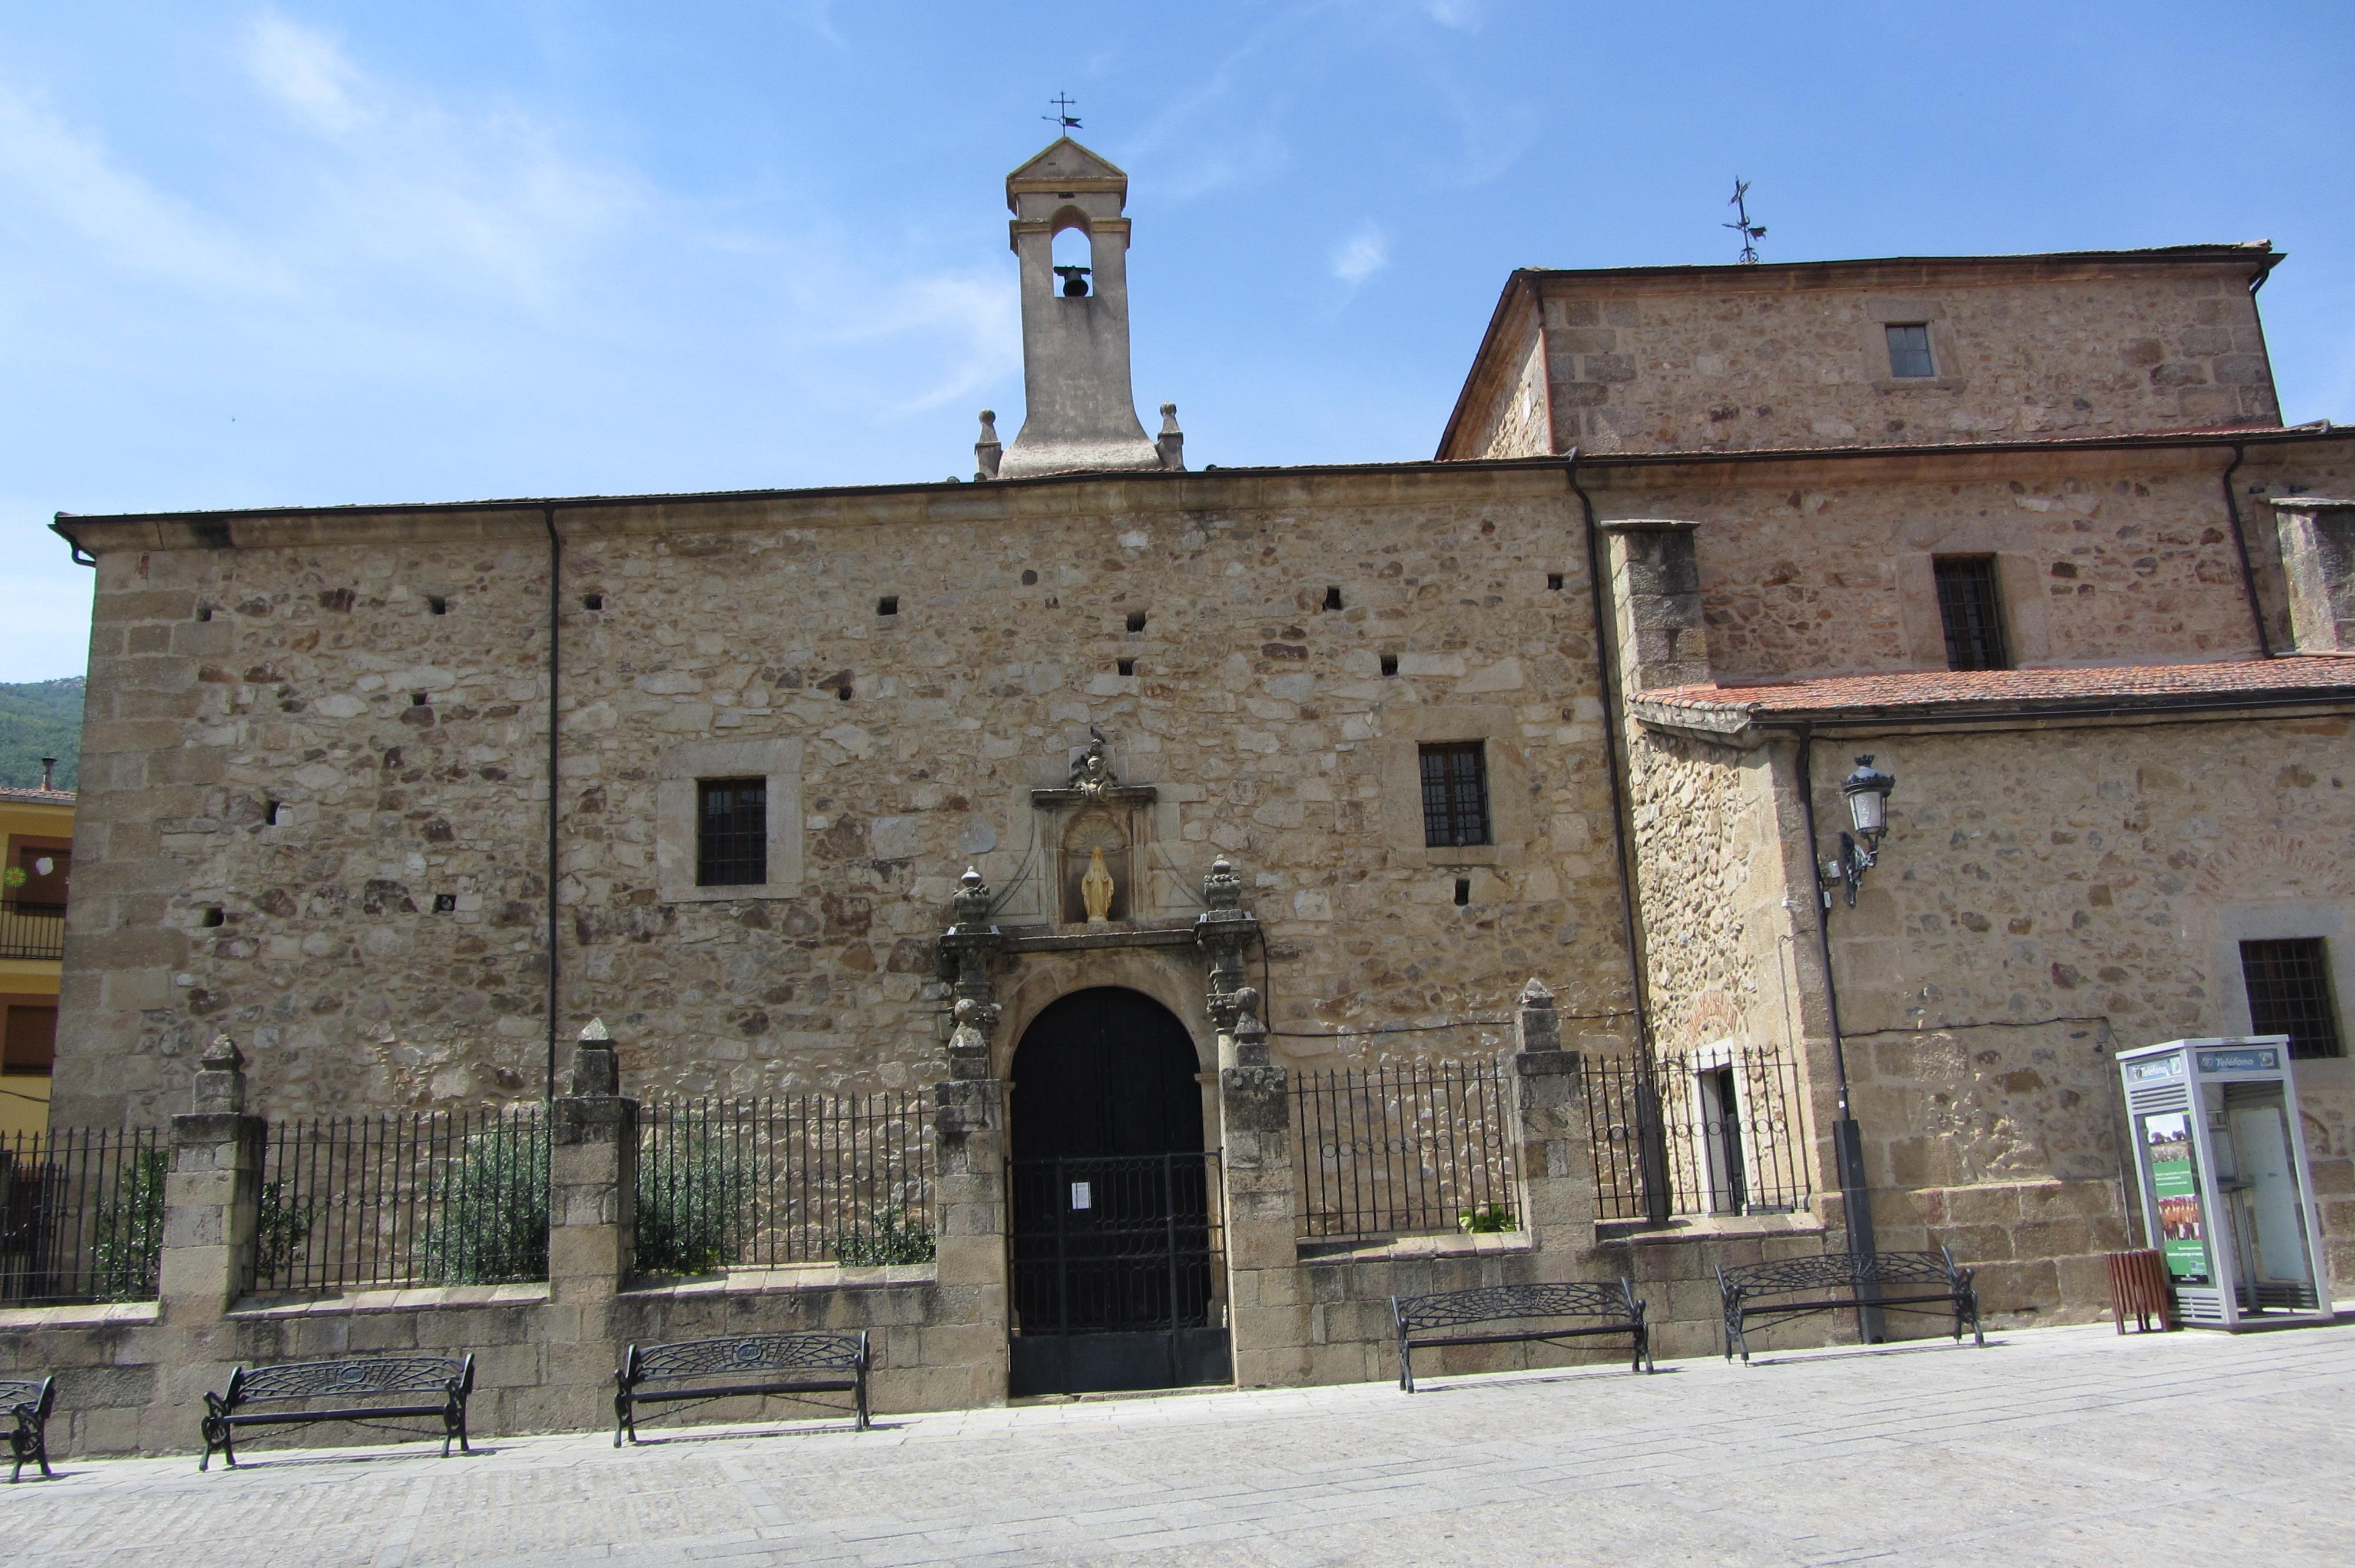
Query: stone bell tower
{"type": "Point", "coordinates": [1081, 411]}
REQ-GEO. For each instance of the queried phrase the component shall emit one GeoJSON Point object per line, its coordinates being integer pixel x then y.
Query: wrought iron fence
{"type": "Point", "coordinates": [432, 1198]}
{"type": "Point", "coordinates": [1732, 1133]}
{"type": "Point", "coordinates": [1386, 1150]}
{"type": "Point", "coordinates": [32, 930]}
{"type": "Point", "coordinates": [792, 1179]}
{"type": "Point", "coordinates": [81, 1215]}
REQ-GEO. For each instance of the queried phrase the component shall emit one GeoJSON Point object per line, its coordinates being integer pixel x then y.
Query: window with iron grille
{"type": "Point", "coordinates": [1973, 612]}
{"type": "Point", "coordinates": [1455, 794]}
{"type": "Point", "coordinates": [731, 831]}
{"type": "Point", "coordinates": [1909, 351]}
{"type": "Point", "coordinates": [2289, 993]}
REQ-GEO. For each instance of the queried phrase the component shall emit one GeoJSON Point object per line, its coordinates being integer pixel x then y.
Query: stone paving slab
{"type": "Point", "coordinates": [2064, 1445]}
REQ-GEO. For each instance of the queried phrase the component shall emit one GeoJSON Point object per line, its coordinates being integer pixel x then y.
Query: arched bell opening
{"type": "Point", "coordinates": [1074, 254]}
{"type": "Point", "coordinates": [1117, 1277]}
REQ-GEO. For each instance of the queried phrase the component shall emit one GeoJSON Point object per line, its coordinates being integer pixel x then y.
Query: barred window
{"type": "Point", "coordinates": [732, 833]}
{"type": "Point", "coordinates": [2289, 993]}
{"type": "Point", "coordinates": [1455, 794]}
{"type": "Point", "coordinates": [1909, 350]}
{"type": "Point", "coordinates": [1972, 610]}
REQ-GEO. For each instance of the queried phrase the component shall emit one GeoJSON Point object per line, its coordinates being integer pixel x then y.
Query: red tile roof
{"type": "Point", "coordinates": [37, 797]}
{"type": "Point", "coordinates": [1727, 708]}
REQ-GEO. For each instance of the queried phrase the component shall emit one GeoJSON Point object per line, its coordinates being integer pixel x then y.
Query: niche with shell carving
{"type": "Point", "coordinates": [1097, 870]}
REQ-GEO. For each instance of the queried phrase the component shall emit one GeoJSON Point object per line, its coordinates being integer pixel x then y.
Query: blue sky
{"type": "Point", "coordinates": [315, 253]}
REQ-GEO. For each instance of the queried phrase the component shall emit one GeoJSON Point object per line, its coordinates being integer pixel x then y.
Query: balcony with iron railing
{"type": "Point", "coordinates": [29, 930]}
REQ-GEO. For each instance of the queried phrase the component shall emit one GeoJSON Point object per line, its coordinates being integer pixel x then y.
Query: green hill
{"type": "Point", "coordinates": [38, 719]}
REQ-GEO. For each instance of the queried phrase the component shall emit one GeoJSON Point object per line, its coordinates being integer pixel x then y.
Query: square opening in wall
{"type": "Point", "coordinates": [1332, 598]}
{"type": "Point", "coordinates": [1462, 891]}
{"type": "Point", "coordinates": [417, 699]}
{"type": "Point", "coordinates": [444, 903]}
{"type": "Point", "coordinates": [1136, 620]}
{"type": "Point", "coordinates": [1128, 666]}
{"type": "Point", "coordinates": [1553, 581]}
{"type": "Point", "coordinates": [593, 601]}
{"type": "Point", "coordinates": [435, 604]}
{"type": "Point", "coordinates": [1390, 663]}
{"type": "Point", "coordinates": [275, 814]}
{"type": "Point", "coordinates": [210, 914]}
{"type": "Point", "coordinates": [888, 605]}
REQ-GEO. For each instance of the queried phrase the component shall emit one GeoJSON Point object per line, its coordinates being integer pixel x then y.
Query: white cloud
{"type": "Point", "coordinates": [1463, 14]}
{"type": "Point", "coordinates": [306, 70]}
{"type": "Point", "coordinates": [1361, 256]}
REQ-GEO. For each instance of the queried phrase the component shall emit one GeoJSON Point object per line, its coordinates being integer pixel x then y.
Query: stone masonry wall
{"type": "Point", "coordinates": [1510, 421]}
{"type": "Point", "coordinates": [1264, 718]}
{"type": "Point", "coordinates": [1826, 568]}
{"type": "Point", "coordinates": [2081, 892]}
{"type": "Point", "coordinates": [1797, 357]}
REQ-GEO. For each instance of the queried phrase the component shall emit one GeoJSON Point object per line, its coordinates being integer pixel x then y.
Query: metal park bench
{"type": "Point", "coordinates": [740, 1364]}
{"type": "Point", "coordinates": [359, 1388]}
{"type": "Point", "coordinates": [1921, 1281]}
{"type": "Point", "coordinates": [1612, 1309]}
{"type": "Point", "coordinates": [27, 1406]}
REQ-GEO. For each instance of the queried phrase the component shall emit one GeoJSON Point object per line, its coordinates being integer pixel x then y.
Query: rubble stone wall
{"type": "Point", "coordinates": [1263, 718]}
{"type": "Point", "coordinates": [1781, 358]}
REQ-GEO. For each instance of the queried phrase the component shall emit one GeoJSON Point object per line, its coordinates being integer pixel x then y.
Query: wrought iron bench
{"type": "Point", "coordinates": [363, 1388]}
{"type": "Point", "coordinates": [28, 1405]}
{"type": "Point", "coordinates": [1920, 1278]}
{"type": "Point", "coordinates": [1614, 1308]}
{"type": "Point", "coordinates": [740, 1364]}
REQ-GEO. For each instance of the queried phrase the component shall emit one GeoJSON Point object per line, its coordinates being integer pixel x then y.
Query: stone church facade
{"type": "Point", "coordinates": [401, 797]}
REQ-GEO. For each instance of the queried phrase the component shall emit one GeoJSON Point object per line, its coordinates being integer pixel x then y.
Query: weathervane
{"type": "Point", "coordinates": [1751, 232]}
{"type": "Point", "coordinates": [1064, 103]}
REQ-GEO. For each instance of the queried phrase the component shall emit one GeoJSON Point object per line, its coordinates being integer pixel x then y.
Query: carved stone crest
{"type": "Point", "coordinates": [1092, 771]}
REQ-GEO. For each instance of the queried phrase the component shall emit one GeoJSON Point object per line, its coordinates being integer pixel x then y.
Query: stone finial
{"type": "Point", "coordinates": [987, 451]}
{"type": "Point", "coordinates": [220, 1088]}
{"type": "Point", "coordinates": [1538, 1025]}
{"type": "Point", "coordinates": [970, 902]}
{"type": "Point", "coordinates": [1222, 889]}
{"type": "Point", "coordinates": [1250, 1033]}
{"type": "Point", "coordinates": [596, 1070]}
{"type": "Point", "coordinates": [1171, 443]}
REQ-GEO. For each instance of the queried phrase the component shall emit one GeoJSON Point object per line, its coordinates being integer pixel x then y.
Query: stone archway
{"type": "Point", "coordinates": [1113, 1239]}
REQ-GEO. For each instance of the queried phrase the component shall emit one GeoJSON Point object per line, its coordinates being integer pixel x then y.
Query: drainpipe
{"type": "Point", "coordinates": [1848, 1139]}
{"type": "Point", "coordinates": [555, 668]}
{"type": "Point", "coordinates": [1651, 1147]}
{"type": "Point", "coordinates": [2241, 545]}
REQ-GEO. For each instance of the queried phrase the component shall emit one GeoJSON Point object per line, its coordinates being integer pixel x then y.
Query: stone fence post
{"type": "Point", "coordinates": [1554, 1157]}
{"type": "Point", "coordinates": [592, 1183]}
{"type": "Point", "coordinates": [1268, 1317]}
{"type": "Point", "coordinates": [212, 1200]}
{"type": "Point", "coordinates": [969, 1219]}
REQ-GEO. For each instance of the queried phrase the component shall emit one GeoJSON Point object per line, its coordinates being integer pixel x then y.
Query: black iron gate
{"type": "Point", "coordinates": [1116, 1274]}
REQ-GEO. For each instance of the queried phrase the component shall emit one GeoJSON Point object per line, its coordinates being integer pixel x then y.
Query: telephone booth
{"type": "Point", "coordinates": [2225, 1186]}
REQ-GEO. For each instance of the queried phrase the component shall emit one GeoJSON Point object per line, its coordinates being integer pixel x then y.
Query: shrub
{"type": "Point", "coordinates": [282, 1231]}
{"type": "Point", "coordinates": [490, 1209]}
{"type": "Point", "coordinates": [890, 1236]}
{"type": "Point", "coordinates": [128, 1249]}
{"type": "Point", "coordinates": [691, 1200]}
{"type": "Point", "coordinates": [1486, 1220]}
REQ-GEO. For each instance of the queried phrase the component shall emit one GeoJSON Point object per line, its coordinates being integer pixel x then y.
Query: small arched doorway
{"type": "Point", "coordinates": [1116, 1277]}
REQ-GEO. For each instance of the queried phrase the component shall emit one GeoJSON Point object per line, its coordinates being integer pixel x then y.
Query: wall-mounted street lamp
{"type": "Point", "coordinates": [1867, 790]}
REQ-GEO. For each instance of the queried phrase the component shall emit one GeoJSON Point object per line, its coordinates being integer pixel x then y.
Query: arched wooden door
{"type": "Point", "coordinates": [1117, 1280]}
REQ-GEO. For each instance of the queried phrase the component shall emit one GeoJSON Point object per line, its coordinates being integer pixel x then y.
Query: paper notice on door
{"type": "Point", "coordinates": [1081, 1198]}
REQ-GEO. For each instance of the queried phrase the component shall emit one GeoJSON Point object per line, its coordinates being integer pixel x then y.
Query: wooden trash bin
{"type": "Point", "coordinates": [2138, 1287]}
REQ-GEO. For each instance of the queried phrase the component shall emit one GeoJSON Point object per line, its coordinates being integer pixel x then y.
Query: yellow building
{"type": "Point", "coordinates": [38, 825]}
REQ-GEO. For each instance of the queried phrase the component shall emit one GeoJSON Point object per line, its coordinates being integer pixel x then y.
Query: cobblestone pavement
{"type": "Point", "coordinates": [2058, 1445]}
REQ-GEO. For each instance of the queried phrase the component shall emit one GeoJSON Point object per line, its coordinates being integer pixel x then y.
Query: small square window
{"type": "Point", "coordinates": [888, 605]}
{"type": "Point", "coordinates": [1972, 610]}
{"type": "Point", "coordinates": [593, 601]}
{"type": "Point", "coordinates": [417, 699]}
{"type": "Point", "coordinates": [1462, 892]}
{"type": "Point", "coordinates": [435, 603]}
{"type": "Point", "coordinates": [1909, 350]}
{"type": "Point", "coordinates": [1390, 663]}
{"type": "Point", "coordinates": [1136, 620]}
{"type": "Point", "coordinates": [1553, 581]}
{"type": "Point", "coordinates": [274, 814]}
{"type": "Point", "coordinates": [210, 914]}
{"type": "Point", "coordinates": [2289, 993]}
{"type": "Point", "coordinates": [1332, 598]}
{"type": "Point", "coordinates": [1128, 666]}
{"type": "Point", "coordinates": [445, 904]}
{"type": "Point", "coordinates": [732, 833]}
{"type": "Point", "coordinates": [1455, 794]}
